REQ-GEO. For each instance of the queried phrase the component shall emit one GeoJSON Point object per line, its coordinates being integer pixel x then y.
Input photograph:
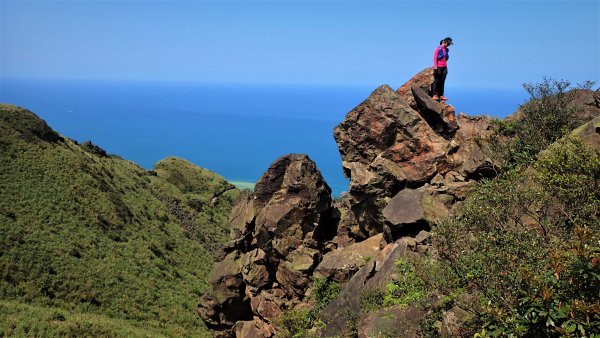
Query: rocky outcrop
{"type": "Point", "coordinates": [339, 315]}
{"type": "Point", "coordinates": [339, 265]}
{"type": "Point", "coordinates": [585, 103]}
{"type": "Point", "coordinates": [394, 321]}
{"type": "Point", "coordinates": [422, 80]}
{"type": "Point", "coordinates": [590, 132]}
{"type": "Point", "coordinates": [279, 233]}
{"type": "Point", "coordinates": [398, 140]}
{"type": "Point", "coordinates": [93, 149]}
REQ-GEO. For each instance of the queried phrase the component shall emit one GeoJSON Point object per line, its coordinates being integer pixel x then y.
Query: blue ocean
{"type": "Point", "coordinates": [235, 130]}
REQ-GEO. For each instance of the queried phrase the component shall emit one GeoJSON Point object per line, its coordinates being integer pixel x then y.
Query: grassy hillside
{"type": "Point", "coordinates": [200, 200]}
{"type": "Point", "coordinates": [90, 240]}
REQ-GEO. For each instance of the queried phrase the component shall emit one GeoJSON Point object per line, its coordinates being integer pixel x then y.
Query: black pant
{"type": "Point", "coordinates": [439, 78]}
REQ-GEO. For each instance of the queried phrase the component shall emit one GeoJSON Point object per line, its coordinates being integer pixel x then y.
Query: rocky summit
{"type": "Point", "coordinates": [398, 140]}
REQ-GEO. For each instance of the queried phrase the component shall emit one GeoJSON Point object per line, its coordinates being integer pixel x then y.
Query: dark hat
{"type": "Point", "coordinates": [448, 41]}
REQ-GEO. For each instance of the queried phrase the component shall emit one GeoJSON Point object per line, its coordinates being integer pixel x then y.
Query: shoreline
{"type": "Point", "coordinates": [243, 185]}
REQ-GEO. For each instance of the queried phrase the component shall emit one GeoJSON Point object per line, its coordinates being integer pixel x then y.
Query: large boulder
{"type": "Point", "coordinates": [385, 146]}
{"type": "Point", "coordinates": [277, 234]}
{"type": "Point", "coordinates": [291, 203]}
{"type": "Point", "coordinates": [388, 144]}
{"type": "Point", "coordinates": [590, 132]}
{"type": "Point", "coordinates": [339, 265]}
{"type": "Point", "coordinates": [412, 210]}
{"type": "Point", "coordinates": [586, 104]}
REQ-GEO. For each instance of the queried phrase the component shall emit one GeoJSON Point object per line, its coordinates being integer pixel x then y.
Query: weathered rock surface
{"type": "Point", "coordinates": [277, 235]}
{"type": "Point", "coordinates": [373, 276]}
{"type": "Point", "coordinates": [339, 265]}
{"type": "Point", "coordinates": [422, 80]}
{"type": "Point", "coordinates": [440, 116]}
{"type": "Point", "coordinates": [395, 321]}
{"type": "Point", "coordinates": [586, 104]}
{"type": "Point", "coordinates": [388, 145]}
{"type": "Point", "coordinates": [412, 210]}
{"type": "Point", "coordinates": [590, 132]}
{"type": "Point", "coordinates": [410, 159]}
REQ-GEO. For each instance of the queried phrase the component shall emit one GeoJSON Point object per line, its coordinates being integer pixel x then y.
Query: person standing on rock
{"type": "Point", "coordinates": [440, 69]}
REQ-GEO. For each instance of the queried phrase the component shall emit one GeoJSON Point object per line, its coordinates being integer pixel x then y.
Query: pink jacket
{"type": "Point", "coordinates": [440, 56]}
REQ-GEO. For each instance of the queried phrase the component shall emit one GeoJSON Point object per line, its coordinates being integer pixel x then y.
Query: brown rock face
{"type": "Point", "coordinates": [375, 275]}
{"type": "Point", "coordinates": [440, 116]}
{"type": "Point", "coordinates": [339, 265]}
{"type": "Point", "coordinates": [385, 146]}
{"type": "Point", "coordinates": [388, 144]}
{"type": "Point", "coordinates": [278, 232]}
{"type": "Point", "coordinates": [590, 132]}
{"type": "Point", "coordinates": [422, 80]}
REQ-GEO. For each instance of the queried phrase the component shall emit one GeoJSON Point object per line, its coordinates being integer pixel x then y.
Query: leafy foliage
{"type": "Point", "coordinates": [301, 322]}
{"type": "Point", "coordinates": [407, 288]}
{"type": "Point", "coordinates": [545, 118]}
{"type": "Point", "coordinates": [528, 242]}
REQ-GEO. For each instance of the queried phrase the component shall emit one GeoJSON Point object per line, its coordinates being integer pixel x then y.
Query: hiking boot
{"type": "Point", "coordinates": [435, 97]}
{"type": "Point", "coordinates": [443, 98]}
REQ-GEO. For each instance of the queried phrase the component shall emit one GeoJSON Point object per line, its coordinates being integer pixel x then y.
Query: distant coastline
{"type": "Point", "coordinates": [243, 185]}
{"type": "Point", "coordinates": [236, 131]}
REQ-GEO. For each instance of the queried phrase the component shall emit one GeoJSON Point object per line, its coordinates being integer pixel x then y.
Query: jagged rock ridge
{"type": "Point", "coordinates": [409, 158]}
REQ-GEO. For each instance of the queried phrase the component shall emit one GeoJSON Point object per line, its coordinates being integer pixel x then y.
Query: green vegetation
{"type": "Point", "coordinates": [528, 243]}
{"type": "Point", "coordinates": [19, 320]}
{"type": "Point", "coordinates": [407, 288]}
{"type": "Point", "coordinates": [90, 244]}
{"type": "Point", "coordinates": [199, 199]}
{"type": "Point", "coordinates": [301, 322]}
{"type": "Point", "coordinates": [547, 117]}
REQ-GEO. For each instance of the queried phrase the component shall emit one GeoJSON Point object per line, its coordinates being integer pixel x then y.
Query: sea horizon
{"type": "Point", "coordinates": [234, 130]}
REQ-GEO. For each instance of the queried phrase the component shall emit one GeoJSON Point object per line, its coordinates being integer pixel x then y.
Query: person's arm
{"type": "Point", "coordinates": [435, 58]}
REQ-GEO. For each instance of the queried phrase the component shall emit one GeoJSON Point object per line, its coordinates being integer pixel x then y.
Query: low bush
{"type": "Point", "coordinates": [528, 242]}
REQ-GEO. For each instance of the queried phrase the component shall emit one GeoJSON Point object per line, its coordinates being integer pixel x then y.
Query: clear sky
{"type": "Point", "coordinates": [498, 44]}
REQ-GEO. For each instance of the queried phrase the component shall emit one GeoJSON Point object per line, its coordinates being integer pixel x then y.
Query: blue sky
{"type": "Point", "coordinates": [498, 44]}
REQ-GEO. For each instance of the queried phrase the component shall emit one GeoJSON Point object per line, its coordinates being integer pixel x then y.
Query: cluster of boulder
{"type": "Point", "coordinates": [279, 233]}
{"type": "Point", "coordinates": [409, 159]}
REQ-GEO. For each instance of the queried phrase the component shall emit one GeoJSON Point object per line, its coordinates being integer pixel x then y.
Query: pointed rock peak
{"type": "Point", "coordinates": [423, 80]}
{"type": "Point", "coordinates": [28, 125]}
{"type": "Point", "coordinates": [384, 94]}
{"type": "Point", "coordinates": [290, 174]}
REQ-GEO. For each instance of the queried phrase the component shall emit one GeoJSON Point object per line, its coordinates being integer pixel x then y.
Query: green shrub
{"type": "Point", "coordinates": [528, 243]}
{"type": "Point", "coordinates": [324, 291]}
{"type": "Point", "coordinates": [407, 288]}
{"type": "Point", "coordinates": [302, 322]}
{"type": "Point", "coordinates": [545, 118]}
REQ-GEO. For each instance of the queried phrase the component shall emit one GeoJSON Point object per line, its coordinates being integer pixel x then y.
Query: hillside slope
{"type": "Point", "coordinates": [89, 240]}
